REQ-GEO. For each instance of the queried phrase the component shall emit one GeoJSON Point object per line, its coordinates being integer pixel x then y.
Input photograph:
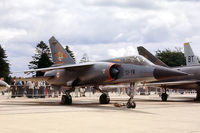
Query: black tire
{"type": "Point", "coordinates": [66, 100]}
{"type": "Point", "coordinates": [63, 99]}
{"type": "Point", "coordinates": [164, 97]}
{"type": "Point", "coordinates": [104, 99]}
{"type": "Point", "coordinates": [69, 100]}
{"type": "Point", "coordinates": [131, 103]}
{"type": "Point", "coordinates": [13, 96]}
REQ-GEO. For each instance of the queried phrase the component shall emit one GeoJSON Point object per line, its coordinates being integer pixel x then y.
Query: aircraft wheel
{"type": "Point", "coordinates": [164, 96]}
{"type": "Point", "coordinates": [66, 99]}
{"type": "Point", "coordinates": [131, 103]}
{"type": "Point", "coordinates": [104, 99]}
{"type": "Point", "coordinates": [198, 95]}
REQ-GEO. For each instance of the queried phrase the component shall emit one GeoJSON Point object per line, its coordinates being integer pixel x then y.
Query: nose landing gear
{"type": "Point", "coordinates": [131, 103]}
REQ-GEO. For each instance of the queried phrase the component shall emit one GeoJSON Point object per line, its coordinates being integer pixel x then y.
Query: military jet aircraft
{"type": "Point", "coordinates": [65, 73]}
{"type": "Point", "coordinates": [191, 59]}
{"type": "Point", "coordinates": [191, 81]}
{"type": "Point", "coordinates": [3, 86]}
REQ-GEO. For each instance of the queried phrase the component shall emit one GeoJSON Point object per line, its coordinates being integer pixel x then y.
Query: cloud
{"type": "Point", "coordinates": [104, 51]}
{"type": "Point", "coordinates": [101, 28]}
{"type": "Point", "coordinates": [141, 4]}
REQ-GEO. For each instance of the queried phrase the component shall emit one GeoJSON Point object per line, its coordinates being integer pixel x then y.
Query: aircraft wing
{"type": "Point", "coordinates": [69, 67]}
{"type": "Point", "coordinates": [172, 83]}
{"type": "Point", "coordinates": [33, 78]}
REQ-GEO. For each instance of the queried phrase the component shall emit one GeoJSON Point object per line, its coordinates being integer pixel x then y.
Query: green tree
{"type": "Point", "coordinates": [4, 66]}
{"type": "Point", "coordinates": [41, 59]}
{"type": "Point", "coordinates": [172, 58]}
{"type": "Point", "coordinates": [70, 53]}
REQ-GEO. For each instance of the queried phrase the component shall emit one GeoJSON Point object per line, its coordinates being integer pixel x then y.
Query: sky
{"type": "Point", "coordinates": [101, 28]}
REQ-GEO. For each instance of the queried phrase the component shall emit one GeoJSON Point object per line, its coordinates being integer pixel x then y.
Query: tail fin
{"type": "Point", "coordinates": [145, 53]}
{"type": "Point", "coordinates": [59, 54]}
{"type": "Point", "coordinates": [191, 59]}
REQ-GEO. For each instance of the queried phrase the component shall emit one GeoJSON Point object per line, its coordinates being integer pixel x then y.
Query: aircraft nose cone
{"type": "Point", "coordinates": [166, 73]}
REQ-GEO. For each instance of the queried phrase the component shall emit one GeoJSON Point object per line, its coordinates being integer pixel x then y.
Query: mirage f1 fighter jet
{"type": "Point", "coordinates": [65, 73]}
{"type": "Point", "coordinates": [190, 81]}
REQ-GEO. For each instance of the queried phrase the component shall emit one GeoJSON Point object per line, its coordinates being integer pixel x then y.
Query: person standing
{"type": "Point", "coordinates": [43, 87]}
{"type": "Point", "coordinates": [36, 88]}
{"type": "Point", "coordinates": [19, 90]}
{"type": "Point", "coordinates": [30, 89]}
{"type": "Point", "coordinates": [13, 90]}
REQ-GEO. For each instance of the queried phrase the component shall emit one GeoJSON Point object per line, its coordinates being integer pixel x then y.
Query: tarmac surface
{"type": "Point", "coordinates": [86, 115]}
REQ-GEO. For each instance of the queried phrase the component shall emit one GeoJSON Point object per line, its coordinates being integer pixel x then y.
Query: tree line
{"type": "Point", "coordinates": [42, 59]}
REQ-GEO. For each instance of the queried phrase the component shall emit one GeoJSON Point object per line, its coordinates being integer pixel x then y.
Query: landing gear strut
{"type": "Point", "coordinates": [164, 95]}
{"type": "Point", "coordinates": [131, 103]}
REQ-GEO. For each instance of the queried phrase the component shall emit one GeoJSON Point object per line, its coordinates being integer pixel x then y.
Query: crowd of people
{"type": "Point", "coordinates": [31, 89]}
{"type": "Point", "coordinates": [38, 89]}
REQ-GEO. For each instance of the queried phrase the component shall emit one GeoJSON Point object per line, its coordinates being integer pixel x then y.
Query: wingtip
{"type": "Point", "coordinates": [187, 43]}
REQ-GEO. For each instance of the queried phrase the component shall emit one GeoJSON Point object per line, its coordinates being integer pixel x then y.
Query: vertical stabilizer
{"type": "Point", "coordinates": [145, 53]}
{"type": "Point", "coordinates": [59, 54]}
{"type": "Point", "coordinates": [191, 59]}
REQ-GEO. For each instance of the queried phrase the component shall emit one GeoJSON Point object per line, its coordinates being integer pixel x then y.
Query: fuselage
{"type": "Point", "coordinates": [112, 71]}
{"type": "Point", "coordinates": [193, 75]}
{"type": "Point", "coordinates": [99, 75]}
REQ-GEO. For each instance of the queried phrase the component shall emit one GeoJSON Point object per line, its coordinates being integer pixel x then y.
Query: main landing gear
{"type": "Point", "coordinates": [66, 99]}
{"type": "Point", "coordinates": [104, 98]}
{"type": "Point", "coordinates": [131, 103]}
{"type": "Point", "coordinates": [198, 95]}
{"type": "Point", "coordinates": [164, 95]}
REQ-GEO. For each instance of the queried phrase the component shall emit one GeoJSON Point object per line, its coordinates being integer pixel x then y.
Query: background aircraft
{"type": "Point", "coordinates": [191, 81]}
{"type": "Point", "coordinates": [65, 73]}
{"type": "Point", "coordinates": [191, 59]}
{"type": "Point", "coordinates": [3, 86]}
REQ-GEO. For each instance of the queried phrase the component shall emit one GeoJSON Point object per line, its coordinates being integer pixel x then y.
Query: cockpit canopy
{"type": "Point", "coordinates": [136, 60]}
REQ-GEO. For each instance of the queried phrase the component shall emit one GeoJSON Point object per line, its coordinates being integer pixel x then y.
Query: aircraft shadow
{"type": "Point", "coordinates": [76, 104]}
{"type": "Point", "coordinates": [95, 105]}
